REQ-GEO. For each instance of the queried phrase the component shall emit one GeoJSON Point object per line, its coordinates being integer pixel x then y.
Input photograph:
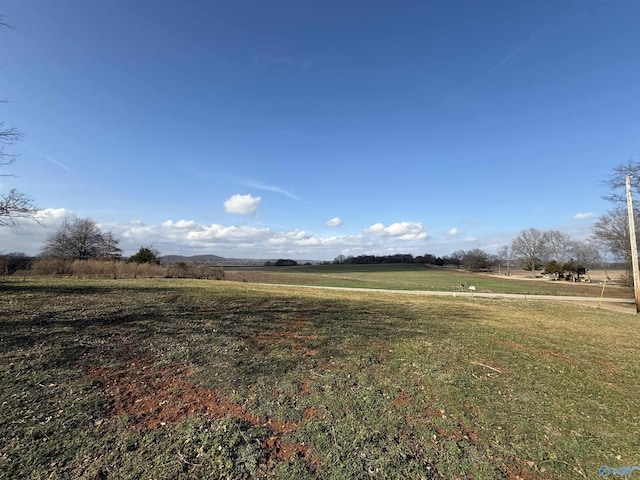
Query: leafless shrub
{"type": "Point", "coordinates": [193, 270]}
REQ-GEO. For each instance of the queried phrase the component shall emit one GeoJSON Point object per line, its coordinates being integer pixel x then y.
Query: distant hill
{"type": "Point", "coordinates": [222, 261]}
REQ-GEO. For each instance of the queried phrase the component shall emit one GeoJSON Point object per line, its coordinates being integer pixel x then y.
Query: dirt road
{"type": "Point", "coordinates": [517, 296]}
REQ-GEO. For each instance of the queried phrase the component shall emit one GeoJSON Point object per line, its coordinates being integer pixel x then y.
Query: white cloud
{"type": "Point", "coordinates": [49, 216]}
{"type": "Point", "coordinates": [453, 232]}
{"type": "Point", "coordinates": [242, 204]}
{"type": "Point", "coordinates": [181, 224]}
{"type": "Point", "coordinates": [334, 222]}
{"type": "Point", "coordinates": [471, 239]}
{"type": "Point", "coordinates": [30, 236]}
{"type": "Point", "coordinates": [190, 237]}
{"type": "Point", "coordinates": [223, 234]}
{"type": "Point", "coordinates": [584, 215]}
{"type": "Point", "coordinates": [399, 230]}
{"type": "Point", "coordinates": [138, 232]}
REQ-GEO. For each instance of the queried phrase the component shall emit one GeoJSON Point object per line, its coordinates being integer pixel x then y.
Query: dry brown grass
{"type": "Point", "coordinates": [96, 269]}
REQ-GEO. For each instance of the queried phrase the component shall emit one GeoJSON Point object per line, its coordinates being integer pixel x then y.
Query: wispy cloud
{"type": "Point", "coordinates": [516, 54]}
{"type": "Point", "coordinates": [47, 157]}
{"type": "Point", "coordinates": [584, 215]}
{"type": "Point", "coordinates": [334, 222]}
{"type": "Point", "coordinates": [269, 188]}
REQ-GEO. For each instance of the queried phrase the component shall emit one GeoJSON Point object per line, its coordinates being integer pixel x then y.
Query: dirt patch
{"type": "Point", "coordinates": [287, 451]}
{"type": "Point", "coordinates": [160, 397]}
{"type": "Point", "coordinates": [402, 399]}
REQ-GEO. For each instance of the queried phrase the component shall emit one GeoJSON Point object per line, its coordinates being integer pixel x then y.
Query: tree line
{"type": "Point", "coordinates": [552, 251]}
{"type": "Point", "coordinates": [533, 250]}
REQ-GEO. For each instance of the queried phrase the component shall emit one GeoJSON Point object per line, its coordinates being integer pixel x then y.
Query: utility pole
{"type": "Point", "coordinates": [634, 245]}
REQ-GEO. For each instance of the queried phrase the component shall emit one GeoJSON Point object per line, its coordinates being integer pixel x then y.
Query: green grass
{"type": "Point", "coordinates": [202, 379]}
{"type": "Point", "coordinates": [417, 277]}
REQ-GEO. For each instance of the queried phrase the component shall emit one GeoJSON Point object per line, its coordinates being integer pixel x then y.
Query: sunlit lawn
{"type": "Point", "coordinates": [204, 379]}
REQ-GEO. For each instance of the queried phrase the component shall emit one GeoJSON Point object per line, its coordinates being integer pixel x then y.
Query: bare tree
{"type": "Point", "coordinates": [457, 256]}
{"type": "Point", "coordinates": [559, 246]}
{"type": "Point", "coordinates": [531, 246]}
{"type": "Point", "coordinates": [611, 231]}
{"type": "Point", "coordinates": [476, 260]}
{"type": "Point", "coordinates": [505, 255]}
{"type": "Point", "coordinates": [81, 239]}
{"type": "Point", "coordinates": [14, 205]}
{"type": "Point", "coordinates": [617, 179]}
{"type": "Point", "coordinates": [587, 255]}
{"type": "Point", "coordinates": [108, 249]}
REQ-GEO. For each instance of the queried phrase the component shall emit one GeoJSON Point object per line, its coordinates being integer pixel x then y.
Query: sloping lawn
{"type": "Point", "coordinates": [169, 379]}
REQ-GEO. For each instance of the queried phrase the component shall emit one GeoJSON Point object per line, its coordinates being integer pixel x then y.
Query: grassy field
{"type": "Point", "coordinates": [417, 277]}
{"type": "Point", "coordinates": [167, 379]}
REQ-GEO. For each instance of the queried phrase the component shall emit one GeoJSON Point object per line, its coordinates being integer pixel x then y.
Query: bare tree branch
{"type": "Point", "coordinates": [616, 181]}
{"type": "Point", "coordinates": [3, 23]}
{"type": "Point", "coordinates": [15, 206]}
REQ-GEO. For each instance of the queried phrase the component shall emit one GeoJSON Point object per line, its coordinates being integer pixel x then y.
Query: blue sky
{"type": "Point", "coordinates": [309, 130]}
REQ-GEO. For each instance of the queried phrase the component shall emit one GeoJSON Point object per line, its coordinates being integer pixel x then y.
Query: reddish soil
{"type": "Point", "coordinates": [157, 397]}
{"type": "Point", "coordinates": [402, 399]}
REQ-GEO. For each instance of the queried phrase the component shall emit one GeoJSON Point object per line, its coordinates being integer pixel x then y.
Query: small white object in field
{"type": "Point", "coordinates": [472, 288]}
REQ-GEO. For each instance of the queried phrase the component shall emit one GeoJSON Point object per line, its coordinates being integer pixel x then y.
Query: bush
{"type": "Point", "coordinates": [193, 270]}
{"type": "Point", "coordinates": [14, 262]}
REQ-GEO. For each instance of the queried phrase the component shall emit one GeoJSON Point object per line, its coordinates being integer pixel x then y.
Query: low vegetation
{"type": "Point", "coordinates": [167, 378]}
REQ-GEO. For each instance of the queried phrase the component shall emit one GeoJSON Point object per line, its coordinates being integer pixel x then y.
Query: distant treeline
{"type": "Point", "coordinates": [397, 258]}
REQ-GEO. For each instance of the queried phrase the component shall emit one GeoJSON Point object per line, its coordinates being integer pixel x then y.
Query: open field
{"type": "Point", "coordinates": [417, 277]}
{"type": "Point", "coordinates": [166, 378]}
